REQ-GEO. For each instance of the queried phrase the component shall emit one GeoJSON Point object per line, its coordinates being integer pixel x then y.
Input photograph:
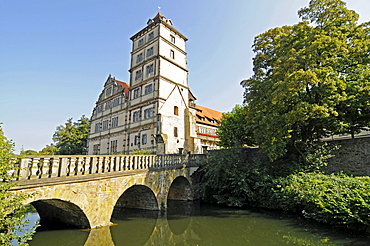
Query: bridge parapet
{"type": "Point", "coordinates": [52, 166]}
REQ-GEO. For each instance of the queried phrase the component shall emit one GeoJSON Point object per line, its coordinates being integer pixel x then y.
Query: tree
{"type": "Point", "coordinates": [233, 129]}
{"type": "Point", "coordinates": [12, 215]}
{"type": "Point", "coordinates": [71, 139]}
{"type": "Point", "coordinates": [49, 150]}
{"type": "Point", "coordinates": [310, 79]}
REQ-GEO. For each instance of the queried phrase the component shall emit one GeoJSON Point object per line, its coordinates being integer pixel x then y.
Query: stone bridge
{"type": "Point", "coordinates": [82, 191]}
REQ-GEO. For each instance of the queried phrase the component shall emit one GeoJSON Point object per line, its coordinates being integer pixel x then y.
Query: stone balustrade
{"type": "Point", "coordinates": [43, 166]}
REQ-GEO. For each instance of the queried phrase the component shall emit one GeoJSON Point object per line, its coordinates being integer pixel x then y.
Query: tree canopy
{"type": "Point", "coordinates": [310, 80]}
{"type": "Point", "coordinates": [11, 214]}
{"type": "Point", "coordinates": [233, 131]}
{"type": "Point", "coordinates": [70, 138]}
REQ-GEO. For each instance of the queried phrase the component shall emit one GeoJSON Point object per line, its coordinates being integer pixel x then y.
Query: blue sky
{"type": "Point", "coordinates": [56, 55]}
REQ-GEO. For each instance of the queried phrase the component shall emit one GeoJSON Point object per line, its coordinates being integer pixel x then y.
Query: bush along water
{"type": "Point", "coordinates": [245, 178]}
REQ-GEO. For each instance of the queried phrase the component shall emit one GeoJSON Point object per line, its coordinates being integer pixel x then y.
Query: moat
{"type": "Point", "coordinates": [188, 223]}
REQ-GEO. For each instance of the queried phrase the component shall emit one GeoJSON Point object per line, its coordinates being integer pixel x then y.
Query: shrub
{"type": "Point", "coordinates": [337, 199]}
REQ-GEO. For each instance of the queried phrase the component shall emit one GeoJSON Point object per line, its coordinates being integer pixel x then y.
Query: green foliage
{"type": "Point", "coordinates": [29, 152]}
{"type": "Point", "coordinates": [49, 150]}
{"type": "Point", "coordinates": [141, 152]}
{"type": "Point", "coordinates": [240, 177]}
{"type": "Point", "coordinates": [336, 199]}
{"type": "Point", "coordinates": [310, 79]}
{"type": "Point", "coordinates": [231, 178]}
{"type": "Point", "coordinates": [233, 129]}
{"type": "Point", "coordinates": [11, 208]}
{"type": "Point", "coordinates": [71, 139]}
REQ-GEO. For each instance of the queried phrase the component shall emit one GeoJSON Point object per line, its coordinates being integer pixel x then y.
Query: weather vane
{"type": "Point", "coordinates": [159, 9]}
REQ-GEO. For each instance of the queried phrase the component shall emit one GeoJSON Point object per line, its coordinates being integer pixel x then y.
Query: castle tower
{"type": "Point", "coordinates": [159, 93]}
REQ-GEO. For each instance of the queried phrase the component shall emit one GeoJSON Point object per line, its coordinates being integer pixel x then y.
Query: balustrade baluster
{"type": "Point", "coordinates": [107, 163]}
{"type": "Point", "coordinates": [72, 167]}
{"type": "Point", "coordinates": [79, 165]}
{"type": "Point", "coordinates": [100, 165]}
{"type": "Point", "coordinates": [25, 172]}
{"type": "Point", "coordinates": [54, 167]}
{"type": "Point", "coordinates": [35, 168]}
{"type": "Point", "coordinates": [45, 168]}
{"type": "Point", "coordinates": [94, 163]}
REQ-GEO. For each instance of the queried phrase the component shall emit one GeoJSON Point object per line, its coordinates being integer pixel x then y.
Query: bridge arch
{"type": "Point", "coordinates": [180, 189]}
{"type": "Point", "coordinates": [57, 213]}
{"type": "Point", "coordinates": [138, 196]}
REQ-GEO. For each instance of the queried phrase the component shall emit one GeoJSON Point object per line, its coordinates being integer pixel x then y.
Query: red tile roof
{"type": "Point", "coordinates": [125, 86]}
{"type": "Point", "coordinates": [207, 116]}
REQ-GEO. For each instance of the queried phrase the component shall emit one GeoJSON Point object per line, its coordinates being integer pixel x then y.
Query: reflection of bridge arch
{"type": "Point", "coordinates": [56, 213]}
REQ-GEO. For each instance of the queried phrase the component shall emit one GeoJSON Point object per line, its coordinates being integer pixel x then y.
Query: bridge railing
{"type": "Point", "coordinates": [40, 167]}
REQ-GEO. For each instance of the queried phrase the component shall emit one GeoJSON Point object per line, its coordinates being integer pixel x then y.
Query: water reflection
{"type": "Point", "coordinates": [188, 224]}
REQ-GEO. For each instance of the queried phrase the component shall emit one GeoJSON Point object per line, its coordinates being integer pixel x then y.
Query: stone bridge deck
{"type": "Point", "coordinates": [82, 191]}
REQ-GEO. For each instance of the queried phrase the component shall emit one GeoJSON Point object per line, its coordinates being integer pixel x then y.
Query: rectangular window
{"type": "Point", "coordinates": [172, 54]}
{"type": "Point", "coordinates": [151, 36]}
{"type": "Point", "coordinates": [108, 105]}
{"type": "Point", "coordinates": [139, 58]}
{"type": "Point", "coordinates": [116, 101]}
{"type": "Point", "coordinates": [149, 52]}
{"type": "Point", "coordinates": [172, 38]}
{"type": "Point", "coordinates": [137, 93]}
{"type": "Point", "coordinates": [99, 109]}
{"type": "Point", "coordinates": [97, 127]}
{"type": "Point", "coordinates": [148, 88]}
{"type": "Point", "coordinates": [141, 42]}
{"type": "Point", "coordinates": [175, 133]}
{"type": "Point", "coordinates": [176, 110]}
{"type": "Point", "coordinates": [137, 140]}
{"type": "Point", "coordinates": [148, 113]}
{"type": "Point", "coordinates": [113, 146]}
{"type": "Point", "coordinates": [114, 122]}
{"type": "Point", "coordinates": [138, 75]}
{"type": "Point", "coordinates": [96, 149]}
{"type": "Point", "coordinates": [108, 91]}
{"type": "Point", "coordinates": [136, 116]}
{"type": "Point", "coordinates": [144, 139]}
{"type": "Point", "coordinates": [150, 69]}
{"type": "Point", "coordinates": [105, 125]}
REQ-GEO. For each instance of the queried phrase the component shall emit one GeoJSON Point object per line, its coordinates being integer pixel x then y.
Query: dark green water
{"type": "Point", "coordinates": [186, 224]}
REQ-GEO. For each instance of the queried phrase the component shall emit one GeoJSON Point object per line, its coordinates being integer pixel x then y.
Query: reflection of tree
{"type": "Point", "coordinates": [208, 226]}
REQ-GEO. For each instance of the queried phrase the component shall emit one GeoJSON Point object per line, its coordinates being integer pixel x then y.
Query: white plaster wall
{"type": "Point", "coordinates": [173, 72]}
{"type": "Point", "coordinates": [165, 32]}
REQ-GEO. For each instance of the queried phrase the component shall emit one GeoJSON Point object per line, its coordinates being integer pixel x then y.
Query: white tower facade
{"type": "Point", "coordinates": [159, 98]}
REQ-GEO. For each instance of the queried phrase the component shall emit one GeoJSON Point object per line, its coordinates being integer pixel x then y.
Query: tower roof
{"type": "Point", "coordinates": [158, 18]}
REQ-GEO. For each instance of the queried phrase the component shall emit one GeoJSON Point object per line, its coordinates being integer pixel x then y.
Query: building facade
{"type": "Point", "coordinates": [156, 111]}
